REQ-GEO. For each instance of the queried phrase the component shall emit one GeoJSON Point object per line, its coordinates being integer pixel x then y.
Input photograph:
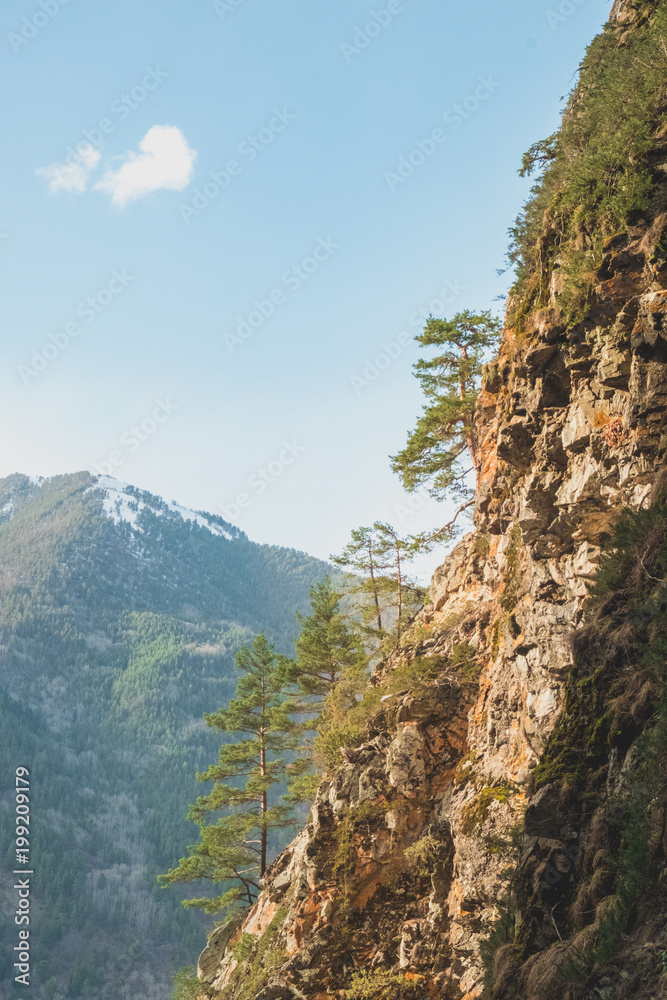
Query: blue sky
{"type": "Point", "coordinates": [284, 126]}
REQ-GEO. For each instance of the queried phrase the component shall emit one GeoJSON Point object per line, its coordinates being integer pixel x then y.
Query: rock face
{"type": "Point", "coordinates": [413, 840]}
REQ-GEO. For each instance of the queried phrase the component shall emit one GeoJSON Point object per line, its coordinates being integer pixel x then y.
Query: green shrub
{"type": "Point", "coordinates": [482, 545]}
{"type": "Point", "coordinates": [383, 984]}
{"type": "Point", "coordinates": [463, 659]}
{"type": "Point", "coordinates": [416, 676]}
{"type": "Point", "coordinates": [187, 986]}
{"type": "Point", "coordinates": [332, 737]}
{"type": "Point", "coordinates": [245, 947]}
{"type": "Point", "coordinates": [422, 855]}
{"type": "Point", "coordinates": [378, 706]}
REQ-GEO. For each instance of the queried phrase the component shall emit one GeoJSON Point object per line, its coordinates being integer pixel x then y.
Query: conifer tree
{"type": "Point", "coordinates": [443, 450]}
{"type": "Point", "coordinates": [376, 557]}
{"type": "Point", "coordinates": [328, 673]}
{"type": "Point", "coordinates": [392, 553]}
{"type": "Point", "coordinates": [326, 648]}
{"type": "Point", "coordinates": [361, 559]}
{"type": "Point", "coordinates": [233, 848]}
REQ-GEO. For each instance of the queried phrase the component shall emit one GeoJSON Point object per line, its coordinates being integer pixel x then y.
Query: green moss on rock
{"type": "Point", "coordinates": [476, 812]}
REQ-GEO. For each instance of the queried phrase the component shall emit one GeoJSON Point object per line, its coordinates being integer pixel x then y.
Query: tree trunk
{"type": "Point", "coordinates": [264, 801]}
{"type": "Point", "coordinates": [469, 426]}
{"type": "Point", "coordinates": [263, 836]}
{"type": "Point", "coordinates": [400, 592]}
{"type": "Point", "coordinates": [375, 593]}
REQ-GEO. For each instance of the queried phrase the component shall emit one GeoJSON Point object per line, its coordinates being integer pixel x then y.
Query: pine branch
{"type": "Point", "coordinates": [450, 524]}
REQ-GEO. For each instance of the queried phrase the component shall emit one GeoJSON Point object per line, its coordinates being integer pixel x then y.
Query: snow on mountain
{"type": "Point", "coordinates": [124, 502]}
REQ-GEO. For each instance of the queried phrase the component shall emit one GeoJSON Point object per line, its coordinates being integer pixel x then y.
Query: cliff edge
{"type": "Point", "coordinates": [479, 842]}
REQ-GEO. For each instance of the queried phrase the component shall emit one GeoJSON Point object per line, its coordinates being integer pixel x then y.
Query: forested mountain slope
{"type": "Point", "coordinates": [120, 615]}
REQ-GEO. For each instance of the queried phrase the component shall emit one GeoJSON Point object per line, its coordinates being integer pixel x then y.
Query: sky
{"type": "Point", "coordinates": [223, 223]}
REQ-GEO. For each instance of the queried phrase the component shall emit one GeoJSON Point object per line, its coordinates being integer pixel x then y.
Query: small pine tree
{"type": "Point", "coordinates": [326, 648]}
{"type": "Point", "coordinates": [442, 451]}
{"type": "Point", "coordinates": [361, 558]}
{"type": "Point", "coordinates": [328, 673]}
{"type": "Point", "coordinates": [393, 552]}
{"type": "Point", "coordinates": [234, 848]}
{"type": "Point", "coordinates": [376, 557]}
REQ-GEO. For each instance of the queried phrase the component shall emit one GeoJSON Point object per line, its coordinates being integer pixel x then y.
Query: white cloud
{"type": "Point", "coordinates": [72, 175]}
{"type": "Point", "coordinates": [165, 161]}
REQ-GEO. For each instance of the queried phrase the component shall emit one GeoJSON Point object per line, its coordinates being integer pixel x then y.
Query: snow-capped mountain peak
{"type": "Point", "coordinates": [124, 503]}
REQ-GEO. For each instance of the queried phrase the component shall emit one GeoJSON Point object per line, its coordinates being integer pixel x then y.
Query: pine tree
{"type": "Point", "coordinates": [361, 559]}
{"type": "Point", "coordinates": [234, 848]}
{"type": "Point", "coordinates": [326, 648]}
{"type": "Point", "coordinates": [328, 673]}
{"type": "Point", "coordinates": [443, 450]}
{"type": "Point", "coordinates": [376, 557]}
{"type": "Point", "coordinates": [392, 553]}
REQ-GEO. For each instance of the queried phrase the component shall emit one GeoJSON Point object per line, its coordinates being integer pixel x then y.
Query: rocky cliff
{"type": "Point", "coordinates": [475, 842]}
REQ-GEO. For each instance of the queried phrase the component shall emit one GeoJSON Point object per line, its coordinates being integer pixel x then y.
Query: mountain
{"type": "Point", "coordinates": [500, 828]}
{"type": "Point", "coordinates": [120, 615]}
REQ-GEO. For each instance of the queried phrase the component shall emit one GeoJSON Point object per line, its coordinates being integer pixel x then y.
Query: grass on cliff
{"type": "Point", "coordinates": [599, 168]}
{"type": "Point", "coordinates": [377, 709]}
{"type": "Point", "coordinates": [476, 812]}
